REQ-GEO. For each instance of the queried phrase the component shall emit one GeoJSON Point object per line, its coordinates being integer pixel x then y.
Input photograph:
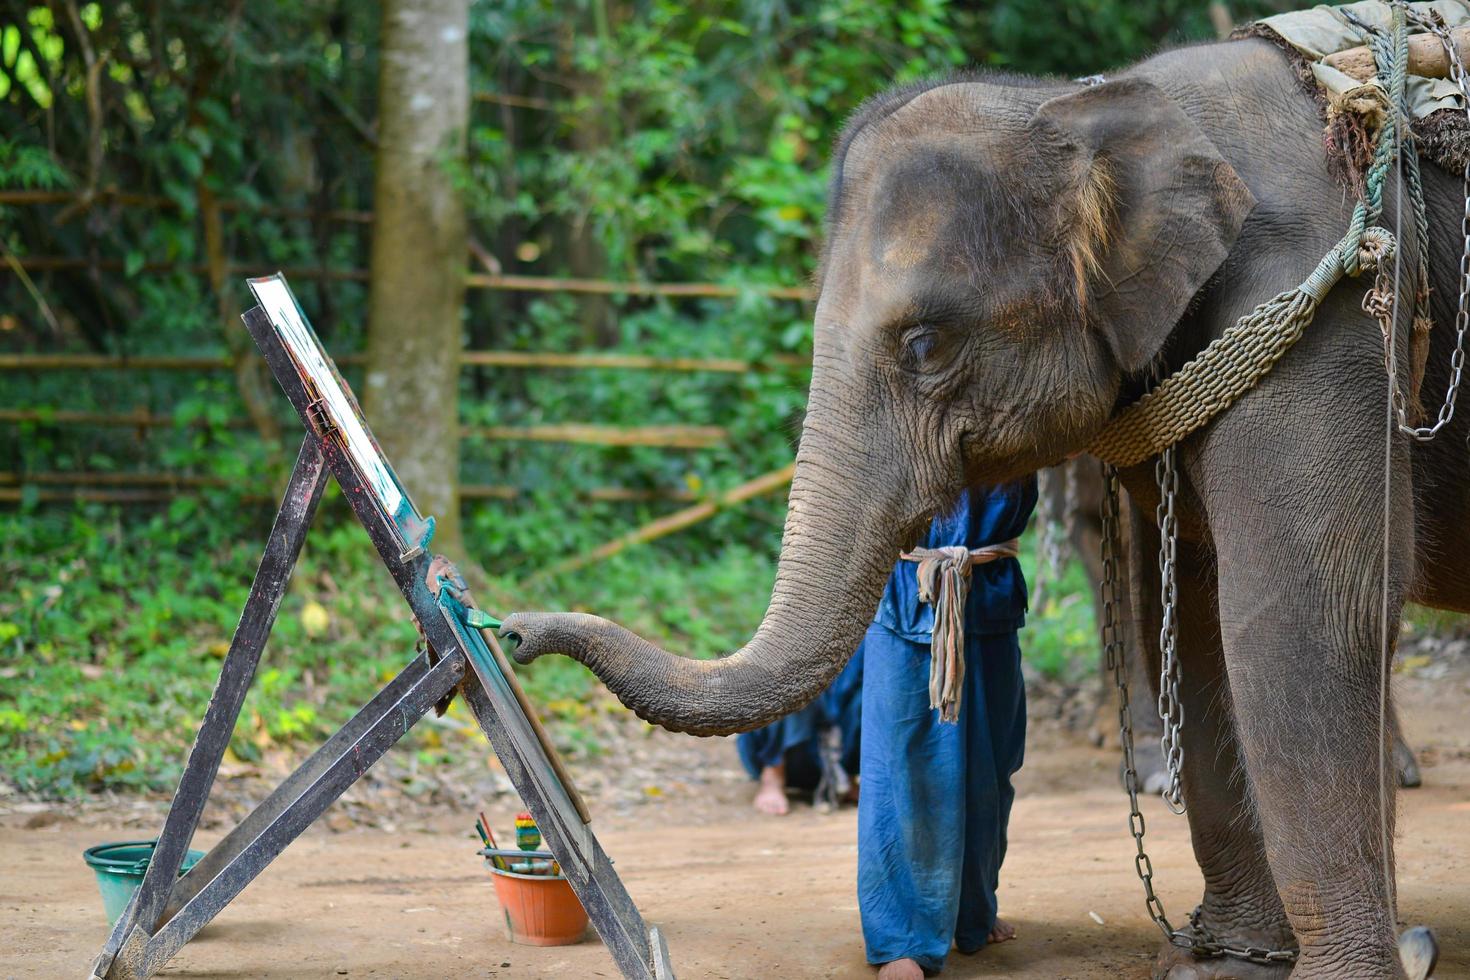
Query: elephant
{"type": "Point", "coordinates": [1006, 260]}
{"type": "Point", "coordinates": [1075, 495]}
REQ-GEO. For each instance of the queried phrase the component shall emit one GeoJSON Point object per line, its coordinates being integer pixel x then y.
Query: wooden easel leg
{"type": "Point", "coordinates": [662, 968]}
{"type": "Point", "coordinates": [271, 808]}
{"type": "Point", "coordinates": [283, 817]}
{"type": "Point", "coordinates": [298, 507]}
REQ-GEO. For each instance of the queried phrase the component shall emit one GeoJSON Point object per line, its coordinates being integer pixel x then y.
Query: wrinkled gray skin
{"type": "Point", "coordinates": [952, 349]}
{"type": "Point", "coordinates": [1143, 662]}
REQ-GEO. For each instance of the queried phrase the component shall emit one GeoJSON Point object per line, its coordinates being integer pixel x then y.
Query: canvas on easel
{"type": "Point", "coordinates": [168, 910]}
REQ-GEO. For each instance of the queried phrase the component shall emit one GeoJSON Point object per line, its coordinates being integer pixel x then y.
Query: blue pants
{"type": "Point", "coordinates": [935, 797]}
{"type": "Point", "coordinates": [793, 740]}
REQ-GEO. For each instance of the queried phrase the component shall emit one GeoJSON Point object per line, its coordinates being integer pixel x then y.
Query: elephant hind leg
{"type": "Point", "coordinates": [1240, 905]}
{"type": "Point", "coordinates": [1303, 650]}
{"type": "Point", "coordinates": [1404, 762]}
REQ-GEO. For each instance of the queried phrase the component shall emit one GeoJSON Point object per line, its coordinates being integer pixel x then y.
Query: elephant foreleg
{"type": "Point", "coordinates": [1302, 620]}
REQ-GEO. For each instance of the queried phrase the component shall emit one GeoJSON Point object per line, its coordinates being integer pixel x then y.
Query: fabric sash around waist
{"type": "Point", "coordinates": [944, 583]}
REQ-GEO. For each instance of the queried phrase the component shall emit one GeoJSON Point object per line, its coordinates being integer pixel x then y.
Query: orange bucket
{"type": "Point", "coordinates": [540, 910]}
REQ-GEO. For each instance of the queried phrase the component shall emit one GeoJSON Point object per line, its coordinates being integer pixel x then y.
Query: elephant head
{"type": "Point", "coordinates": [1001, 256]}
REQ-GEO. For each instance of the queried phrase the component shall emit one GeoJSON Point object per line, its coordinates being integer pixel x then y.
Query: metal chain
{"type": "Point", "coordinates": [1115, 658]}
{"type": "Point", "coordinates": [1378, 301]}
{"type": "Point", "coordinates": [1171, 712]}
{"type": "Point", "coordinates": [1197, 938]}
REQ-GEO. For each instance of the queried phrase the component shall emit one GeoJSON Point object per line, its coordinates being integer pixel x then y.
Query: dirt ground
{"type": "Point", "coordinates": [738, 896]}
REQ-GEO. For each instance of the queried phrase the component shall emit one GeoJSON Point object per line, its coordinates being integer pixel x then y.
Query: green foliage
{"type": "Point", "coordinates": [1087, 36]}
{"type": "Point", "coordinates": [113, 634]}
{"type": "Point", "coordinates": [659, 140]}
{"type": "Point", "coordinates": [1060, 640]}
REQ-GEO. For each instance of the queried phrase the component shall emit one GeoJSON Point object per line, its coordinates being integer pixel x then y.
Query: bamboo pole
{"type": "Point", "coordinates": [678, 521]}
{"type": "Point", "coordinates": [612, 361]}
{"type": "Point", "coordinates": [139, 418]}
{"type": "Point", "coordinates": [105, 362]}
{"type": "Point", "coordinates": [666, 436]}
{"type": "Point", "coordinates": [167, 486]}
{"type": "Point", "coordinates": [546, 284]}
{"type": "Point", "coordinates": [516, 101]}
{"type": "Point", "coordinates": [16, 495]}
{"type": "Point", "coordinates": [473, 280]}
{"type": "Point", "coordinates": [661, 436]}
{"type": "Point", "coordinates": [570, 360]}
{"type": "Point", "coordinates": [128, 479]}
{"type": "Point", "coordinates": [155, 202]}
{"type": "Point", "coordinates": [57, 263]}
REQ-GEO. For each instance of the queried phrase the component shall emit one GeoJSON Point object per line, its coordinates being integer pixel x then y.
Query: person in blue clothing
{"type": "Point", "coordinates": [812, 750]}
{"type": "Point", "coordinates": [942, 734]}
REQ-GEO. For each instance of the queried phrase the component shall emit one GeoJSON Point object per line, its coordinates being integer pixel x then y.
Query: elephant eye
{"type": "Point", "coordinates": [918, 343]}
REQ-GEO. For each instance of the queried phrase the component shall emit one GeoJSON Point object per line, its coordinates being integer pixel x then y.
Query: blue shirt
{"type": "Point", "coordinates": [997, 600]}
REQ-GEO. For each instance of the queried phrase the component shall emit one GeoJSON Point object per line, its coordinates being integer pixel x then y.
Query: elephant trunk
{"type": "Point", "coordinates": [841, 538]}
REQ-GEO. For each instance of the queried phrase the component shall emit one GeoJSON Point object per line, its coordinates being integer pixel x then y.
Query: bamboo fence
{"type": "Point", "coordinates": [503, 282]}
{"type": "Point", "coordinates": [475, 280]}
{"type": "Point", "coordinates": [147, 487]}
{"type": "Point", "coordinates": [659, 436]}
{"type": "Point", "coordinates": [678, 521]}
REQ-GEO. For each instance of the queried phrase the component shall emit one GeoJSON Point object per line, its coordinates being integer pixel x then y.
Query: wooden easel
{"type": "Point", "coordinates": [167, 911]}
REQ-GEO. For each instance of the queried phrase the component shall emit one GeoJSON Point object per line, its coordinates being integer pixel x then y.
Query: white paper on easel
{"type": "Point", "coordinates": [276, 299]}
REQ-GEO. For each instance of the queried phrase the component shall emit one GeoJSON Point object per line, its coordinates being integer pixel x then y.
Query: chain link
{"type": "Point", "coordinates": [1378, 301]}
{"type": "Point", "coordinates": [1197, 938]}
{"type": "Point", "coordinates": [1171, 711]}
{"type": "Point", "coordinates": [1115, 658]}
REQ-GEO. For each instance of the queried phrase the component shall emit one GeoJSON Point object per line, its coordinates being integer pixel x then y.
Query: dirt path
{"type": "Point", "coordinates": [738, 896]}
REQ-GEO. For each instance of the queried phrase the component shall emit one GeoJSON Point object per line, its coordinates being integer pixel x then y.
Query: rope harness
{"type": "Point", "coordinates": [1233, 363]}
{"type": "Point", "coordinates": [944, 583]}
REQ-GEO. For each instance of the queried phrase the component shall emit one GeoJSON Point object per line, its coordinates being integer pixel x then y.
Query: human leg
{"type": "Point", "coordinates": [994, 719]}
{"type": "Point", "coordinates": [781, 754]}
{"type": "Point", "coordinates": [911, 810]}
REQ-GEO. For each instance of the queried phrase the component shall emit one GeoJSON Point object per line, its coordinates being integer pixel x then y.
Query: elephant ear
{"type": "Point", "coordinates": [1155, 209]}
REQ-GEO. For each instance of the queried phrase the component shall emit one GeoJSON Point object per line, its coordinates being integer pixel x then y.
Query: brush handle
{"type": "Point", "coordinates": [500, 852]}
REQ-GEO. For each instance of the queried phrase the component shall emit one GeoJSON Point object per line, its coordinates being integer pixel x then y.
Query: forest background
{"type": "Point", "coordinates": [155, 152]}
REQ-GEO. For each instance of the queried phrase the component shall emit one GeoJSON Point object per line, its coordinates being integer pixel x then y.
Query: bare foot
{"type": "Point", "coordinates": [900, 970]}
{"type": "Point", "coordinates": [1002, 932]}
{"type": "Point", "coordinates": [770, 799]}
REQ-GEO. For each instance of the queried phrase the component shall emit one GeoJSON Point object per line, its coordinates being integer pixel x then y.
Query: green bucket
{"type": "Point", "coordinates": [119, 868]}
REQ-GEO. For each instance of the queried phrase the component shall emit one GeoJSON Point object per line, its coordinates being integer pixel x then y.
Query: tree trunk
{"type": "Point", "coordinates": [416, 295]}
{"type": "Point", "coordinates": [585, 255]}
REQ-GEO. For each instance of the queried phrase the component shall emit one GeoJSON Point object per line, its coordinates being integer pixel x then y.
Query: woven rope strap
{"type": "Point", "coordinates": [1234, 362]}
{"type": "Point", "coordinates": [944, 583]}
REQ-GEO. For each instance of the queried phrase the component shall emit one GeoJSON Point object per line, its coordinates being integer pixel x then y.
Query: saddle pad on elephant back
{"type": "Point", "coordinates": [1312, 36]}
